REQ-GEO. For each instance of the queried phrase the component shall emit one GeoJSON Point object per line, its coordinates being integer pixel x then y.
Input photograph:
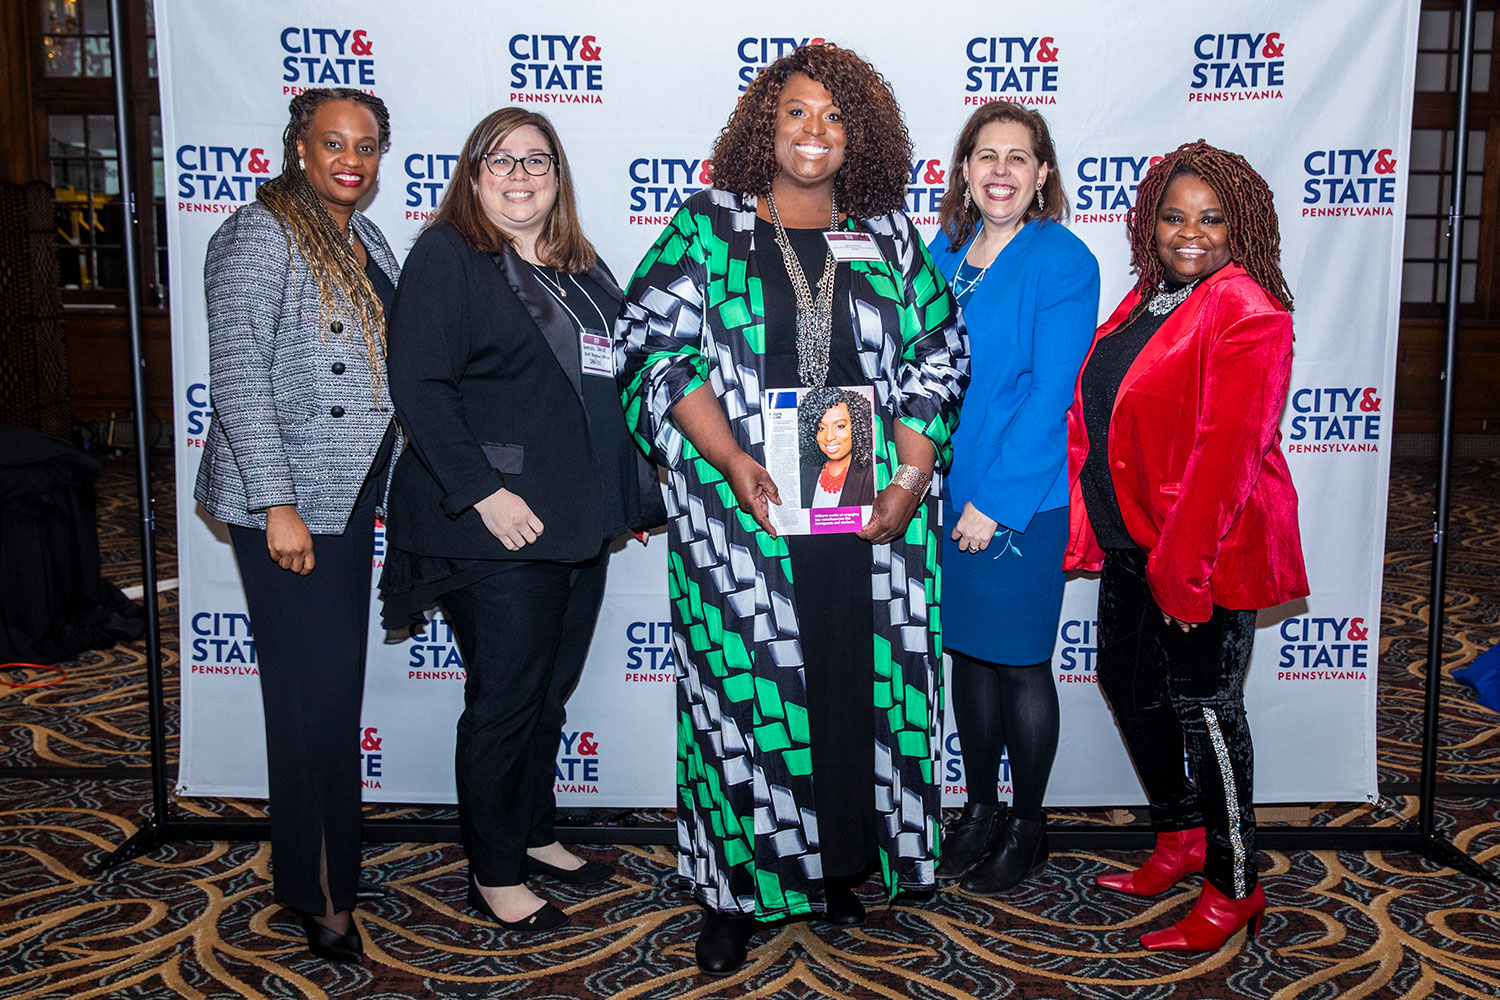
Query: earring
{"type": "Point", "coordinates": [1041, 203]}
{"type": "Point", "coordinates": [301, 163]}
{"type": "Point", "coordinates": [968, 198]}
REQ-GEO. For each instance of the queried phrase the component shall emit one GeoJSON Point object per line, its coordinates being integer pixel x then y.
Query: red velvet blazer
{"type": "Point", "coordinates": [1195, 453]}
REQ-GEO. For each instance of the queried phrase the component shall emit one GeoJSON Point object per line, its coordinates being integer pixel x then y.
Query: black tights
{"type": "Point", "coordinates": [998, 706]}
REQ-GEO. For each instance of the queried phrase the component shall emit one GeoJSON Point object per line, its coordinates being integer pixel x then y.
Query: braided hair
{"type": "Point", "coordinates": [1249, 210]}
{"type": "Point", "coordinates": [329, 254]}
{"type": "Point", "coordinates": [811, 409]}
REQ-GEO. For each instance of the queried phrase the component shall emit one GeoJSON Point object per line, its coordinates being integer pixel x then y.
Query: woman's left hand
{"type": "Point", "coordinates": [1169, 621]}
{"type": "Point", "coordinates": [890, 514]}
{"type": "Point", "coordinates": [974, 530]}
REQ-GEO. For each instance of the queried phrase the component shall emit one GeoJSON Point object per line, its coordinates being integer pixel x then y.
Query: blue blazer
{"type": "Point", "coordinates": [1031, 321]}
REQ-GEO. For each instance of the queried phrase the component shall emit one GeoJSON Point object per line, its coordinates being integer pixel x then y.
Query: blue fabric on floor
{"type": "Point", "coordinates": [1483, 675]}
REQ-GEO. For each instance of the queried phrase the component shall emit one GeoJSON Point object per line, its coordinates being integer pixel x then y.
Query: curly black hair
{"type": "Point", "coordinates": [877, 151]}
{"type": "Point", "coordinates": [810, 410]}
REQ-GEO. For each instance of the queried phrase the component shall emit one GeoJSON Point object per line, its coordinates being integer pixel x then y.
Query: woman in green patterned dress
{"type": "Point", "coordinates": [808, 714]}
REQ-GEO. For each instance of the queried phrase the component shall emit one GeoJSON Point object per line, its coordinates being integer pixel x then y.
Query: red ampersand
{"type": "Point", "coordinates": [1046, 52]}
{"type": "Point", "coordinates": [1357, 630]}
{"type": "Point", "coordinates": [1274, 46]}
{"type": "Point", "coordinates": [370, 741]}
{"type": "Point", "coordinates": [258, 162]}
{"type": "Point", "coordinates": [1369, 401]}
{"type": "Point", "coordinates": [586, 745]}
{"type": "Point", "coordinates": [588, 51]}
{"type": "Point", "coordinates": [361, 46]}
{"type": "Point", "coordinates": [1385, 163]}
{"type": "Point", "coordinates": [934, 174]}
{"type": "Point", "coordinates": [706, 172]}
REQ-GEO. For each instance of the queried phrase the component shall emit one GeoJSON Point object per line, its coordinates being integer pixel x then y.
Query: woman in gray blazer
{"type": "Point", "coordinates": [299, 285]}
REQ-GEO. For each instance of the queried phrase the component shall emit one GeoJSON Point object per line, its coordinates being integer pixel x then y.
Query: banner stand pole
{"type": "Point", "coordinates": [163, 826]}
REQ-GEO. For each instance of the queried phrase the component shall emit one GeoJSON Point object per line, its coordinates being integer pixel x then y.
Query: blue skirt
{"type": "Point", "coordinates": [1002, 604]}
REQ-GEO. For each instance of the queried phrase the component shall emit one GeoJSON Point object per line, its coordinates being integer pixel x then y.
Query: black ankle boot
{"type": "Point", "coordinates": [722, 942]}
{"type": "Point", "coordinates": [844, 907]}
{"type": "Point", "coordinates": [970, 839]}
{"type": "Point", "coordinates": [1022, 852]}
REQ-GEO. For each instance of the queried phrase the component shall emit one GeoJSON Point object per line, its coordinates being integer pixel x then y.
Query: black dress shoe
{"type": "Point", "coordinates": [1022, 853]}
{"type": "Point", "coordinates": [971, 838]}
{"type": "Point", "coordinates": [369, 892]}
{"type": "Point", "coordinates": [587, 874]}
{"type": "Point", "coordinates": [844, 907]}
{"type": "Point", "coordinates": [722, 943]}
{"type": "Point", "coordinates": [331, 945]}
{"type": "Point", "coordinates": [543, 918]}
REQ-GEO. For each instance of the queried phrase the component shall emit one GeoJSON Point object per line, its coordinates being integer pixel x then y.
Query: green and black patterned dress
{"type": "Point", "coordinates": [694, 314]}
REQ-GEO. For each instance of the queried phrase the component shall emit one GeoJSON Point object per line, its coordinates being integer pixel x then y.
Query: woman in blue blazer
{"type": "Point", "coordinates": [298, 285]}
{"type": "Point", "coordinates": [1029, 293]}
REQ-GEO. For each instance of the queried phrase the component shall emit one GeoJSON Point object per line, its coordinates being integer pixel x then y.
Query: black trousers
{"type": "Point", "coordinates": [310, 637]}
{"type": "Point", "coordinates": [1171, 690]}
{"type": "Point", "coordinates": [523, 632]}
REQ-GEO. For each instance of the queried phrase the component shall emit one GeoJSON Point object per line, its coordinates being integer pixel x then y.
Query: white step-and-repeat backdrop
{"type": "Point", "coordinates": [1317, 96]}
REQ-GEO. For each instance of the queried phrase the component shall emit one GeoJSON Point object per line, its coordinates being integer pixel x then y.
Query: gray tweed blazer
{"type": "Point", "coordinates": [295, 418]}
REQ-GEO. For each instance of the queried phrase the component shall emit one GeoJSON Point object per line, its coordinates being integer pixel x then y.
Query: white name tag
{"type": "Point", "coordinates": [853, 246]}
{"type": "Point", "coordinates": [595, 351]}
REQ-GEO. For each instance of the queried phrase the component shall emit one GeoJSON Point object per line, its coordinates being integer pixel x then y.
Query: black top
{"type": "Point", "coordinates": [1106, 368]}
{"type": "Point", "coordinates": [384, 290]}
{"type": "Point", "coordinates": [781, 308]}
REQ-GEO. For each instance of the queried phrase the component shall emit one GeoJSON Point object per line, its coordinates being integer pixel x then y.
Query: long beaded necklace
{"type": "Point", "coordinates": [814, 318]}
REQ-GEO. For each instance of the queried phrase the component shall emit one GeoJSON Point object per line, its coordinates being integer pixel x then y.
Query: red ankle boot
{"type": "Point", "coordinates": [1178, 853]}
{"type": "Point", "coordinates": [1213, 920]}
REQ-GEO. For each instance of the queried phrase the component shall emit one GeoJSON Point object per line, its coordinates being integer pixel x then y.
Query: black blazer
{"type": "Point", "coordinates": [485, 376]}
{"type": "Point", "coordinates": [859, 485]}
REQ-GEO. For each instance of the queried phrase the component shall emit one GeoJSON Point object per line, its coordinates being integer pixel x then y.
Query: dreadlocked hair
{"type": "Point", "coordinates": [877, 147]}
{"type": "Point", "coordinates": [342, 285]}
{"type": "Point", "coordinates": [1249, 211]}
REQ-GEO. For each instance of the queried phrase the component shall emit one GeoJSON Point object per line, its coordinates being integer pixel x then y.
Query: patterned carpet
{"type": "Point", "coordinates": [197, 920]}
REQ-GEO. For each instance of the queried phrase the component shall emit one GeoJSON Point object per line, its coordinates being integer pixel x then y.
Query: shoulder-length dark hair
{"type": "Point", "coordinates": [877, 147]}
{"type": "Point", "coordinates": [1249, 214]}
{"type": "Point", "coordinates": [561, 244]}
{"type": "Point", "coordinates": [958, 222]}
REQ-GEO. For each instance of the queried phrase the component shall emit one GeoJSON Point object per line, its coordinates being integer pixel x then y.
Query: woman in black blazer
{"type": "Point", "coordinates": [519, 474]}
{"type": "Point", "coordinates": [835, 439]}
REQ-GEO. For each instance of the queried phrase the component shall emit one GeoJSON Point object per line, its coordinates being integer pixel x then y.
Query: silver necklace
{"type": "Point", "coordinates": [814, 318]}
{"type": "Point", "coordinates": [1165, 301]}
{"type": "Point", "coordinates": [555, 284]}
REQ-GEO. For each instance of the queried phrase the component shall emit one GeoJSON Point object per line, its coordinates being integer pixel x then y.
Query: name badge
{"type": "Point", "coordinates": [597, 355]}
{"type": "Point", "coordinates": [853, 246]}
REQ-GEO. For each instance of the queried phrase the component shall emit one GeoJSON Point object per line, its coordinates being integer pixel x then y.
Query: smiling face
{"type": "Point", "coordinates": [1003, 174]}
{"type": "Point", "coordinates": [518, 204]}
{"type": "Point", "coordinates": [836, 433]}
{"type": "Point", "coordinates": [809, 133]}
{"type": "Point", "coordinates": [341, 155]}
{"type": "Point", "coordinates": [1192, 232]}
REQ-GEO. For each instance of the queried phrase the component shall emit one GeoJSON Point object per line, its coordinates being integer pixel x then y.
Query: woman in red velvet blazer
{"type": "Point", "coordinates": [1181, 497]}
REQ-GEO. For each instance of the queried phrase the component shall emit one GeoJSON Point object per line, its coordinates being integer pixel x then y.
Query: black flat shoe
{"type": "Point", "coordinates": [589, 873]}
{"type": "Point", "coordinates": [543, 918]}
{"type": "Point", "coordinates": [1022, 853]}
{"type": "Point", "coordinates": [971, 838]}
{"type": "Point", "coordinates": [369, 892]}
{"type": "Point", "coordinates": [844, 907]}
{"type": "Point", "coordinates": [723, 942]}
{"type": "Point", "coordinates": [329, 944]}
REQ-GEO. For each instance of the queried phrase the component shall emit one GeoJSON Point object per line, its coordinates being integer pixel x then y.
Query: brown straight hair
{"type": "Point", "coordinates": [561, 244]}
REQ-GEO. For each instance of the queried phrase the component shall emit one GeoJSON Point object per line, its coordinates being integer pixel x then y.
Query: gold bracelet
{"type": "Point", "coordinates": [913, 480]}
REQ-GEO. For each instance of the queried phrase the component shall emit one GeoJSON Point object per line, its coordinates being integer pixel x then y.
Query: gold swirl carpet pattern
{"type": "Point", "coordinates": [197, 920]}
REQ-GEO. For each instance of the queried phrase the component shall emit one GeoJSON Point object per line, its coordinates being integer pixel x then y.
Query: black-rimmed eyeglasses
{"type": "Point", "coordinates": [537, 164]}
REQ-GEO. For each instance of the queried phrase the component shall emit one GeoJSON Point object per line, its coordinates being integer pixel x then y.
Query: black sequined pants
{"type": "Point", "coordinates": [1172, 690]}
